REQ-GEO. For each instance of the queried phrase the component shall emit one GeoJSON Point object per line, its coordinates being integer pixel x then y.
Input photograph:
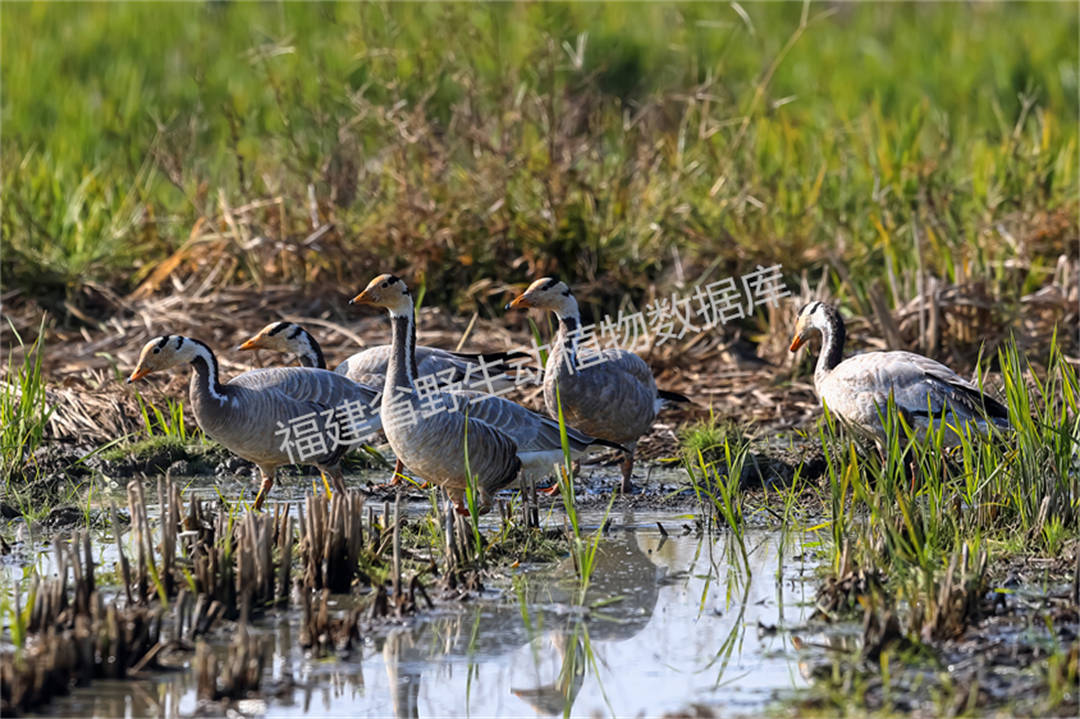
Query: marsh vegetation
{"type": "Point", "coordinates": [207, 168]}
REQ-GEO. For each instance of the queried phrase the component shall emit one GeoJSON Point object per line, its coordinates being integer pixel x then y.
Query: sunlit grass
{"type": "Point", "coordinates": [416, 123]}
{"type": "Point", "coordinates": [583, 549]}
{"type": "Point", "coordinates": [1015, 484]}
{"type": "Point", "coordinates": [919, 526]}
{"type": "Point", "coordinates": [24, 410]}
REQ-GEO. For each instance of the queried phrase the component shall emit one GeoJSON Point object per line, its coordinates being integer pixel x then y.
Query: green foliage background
{"type": "Point", "coordinates": [590, 139]}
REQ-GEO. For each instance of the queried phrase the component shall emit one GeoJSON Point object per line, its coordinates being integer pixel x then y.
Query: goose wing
{"type": "Point", "coordinates": [366, 366]}
{"type": "Point", "coordinates": [919, 385]}
{"type": "Point", "coordinates": [369, 366]}
{"type": "Point", "coordinates": [615, 398]}
{"type": "Point", "coordinates": [530, 430]}
{"type": "Point", "coordinates": [305, 384]}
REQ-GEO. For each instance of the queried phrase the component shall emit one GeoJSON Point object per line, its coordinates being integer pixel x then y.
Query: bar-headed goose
{"type": "Point", "coordinates": [612, 396]}
{"type": "Point", "coordinates": [857, 389]}
{"type": "Point", "coordinates": [368, 366]}
{"type": "Point", "coordinates": [247, 413]}
{"type": "Point", "coordinates": [428, 427]}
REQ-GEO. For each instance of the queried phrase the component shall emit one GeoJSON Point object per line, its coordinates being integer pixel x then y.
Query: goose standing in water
{"type": "Point", "coordinates": [612, 396]}
{"type": "Point", "coordinates": [246, 414]}
{"type": "Point", "coordinates": [428, 431]}
{"type": "Point", "coordinates": [368, 366]}
{"type": "Point", "coordinates": [857, 389]}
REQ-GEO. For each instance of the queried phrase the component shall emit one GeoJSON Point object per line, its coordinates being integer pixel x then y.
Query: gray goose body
{"type": "Point", "coordinates": [260, 399]}
{"type": "Point", "coordinates": [428, 433]}
{"type": "Point", "coordinates": [369, 366]}
{"type": "Point", "coordinates": [857, 389]}
{"type": "Point", "coordinates": [246, 414]}
{"type": "Point", "coordinates": [613, 396]}
{"type": "Point", "coordinates": [616, 398]}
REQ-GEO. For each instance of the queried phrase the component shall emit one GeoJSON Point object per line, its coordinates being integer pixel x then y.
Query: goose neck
{"type": "Point", "coordinates": [401, 371]}
{"type": "Point", "coordinates": [564, 350]}
{"type": "Point", "coordinates": [312, 355]}
{"type": "Point", "coordinates": [833, 335]}
{"type": "Point", "coordinates": [205, 381]}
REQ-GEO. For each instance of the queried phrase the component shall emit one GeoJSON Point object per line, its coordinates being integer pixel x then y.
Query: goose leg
{"type": "Point", "coordinates": [396, 479]}
{"type": "Point", "coordinates": [457, 496]}
{"type": "Point", "coordinates": [264, 489]}
{"type": "Point", "coordinates": [627, 466]}
{"type": "Point", "coordinates": [325, 484]}
{"type": "Point", "coordinates": [337, 478]}
{"type": "Point", "coordinates": [399, 477]}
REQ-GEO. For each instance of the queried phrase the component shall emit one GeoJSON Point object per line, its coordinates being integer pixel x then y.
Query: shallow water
{"type": "Point", "coordinates": [666, 622]}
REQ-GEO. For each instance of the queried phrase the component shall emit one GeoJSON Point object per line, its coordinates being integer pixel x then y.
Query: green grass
{"type": "Point", "coordinates": [24, 410]}
{"type": "Point", "coordinates": [595, 140]}
{"type": "Point", "coordinates": [935, 540]}
{"type": "Point", "coordinates": [168, 423]}
{"type": "Point", "coordinates": [982, 494]}
{"type": "Point", "coordinates": [702, 436]}
{"type": "Point", "coordinates": [148, 447]}
{"type": "Point", "coordinates": [927, 545]}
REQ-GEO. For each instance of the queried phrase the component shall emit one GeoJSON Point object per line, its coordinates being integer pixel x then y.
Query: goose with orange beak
{"type": "Point", "coordinates": [610, 394]}
{"type": "Point", "coordinates": [446, 435]}
{"type": "Point", "coordinates": [247, 413]}
{"type": "Point", "coordinates": [857, 389]}
{"type": "Point", "coordinates": [368, 366]}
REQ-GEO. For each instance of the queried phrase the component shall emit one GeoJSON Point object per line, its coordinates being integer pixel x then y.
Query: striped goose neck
{"type": "Point", "coordinates": [312, 355]}
{"type": "Point", "coordinates": [205, 381]}
{"type": "Point", "coordinates": [401, 371]}
{"type": "Point", "coordinates": [833, 336]}
{"type": "Point", "coordinates": [565, 339]}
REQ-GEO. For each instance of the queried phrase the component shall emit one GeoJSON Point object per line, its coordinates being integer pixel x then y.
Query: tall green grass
{"type": "Point", "coordinates": [24, 409]}
{"type": "Point", "coordinates": [1013, 485]}
{"type": "Point", "coordinates": [582, 549]}
{"type": "Point", "coordinates": [167, 424]}
{"type": "Point", "coordinates": [919, 530]}
{"type": "Point", "coordinates": [932, 519]}
{"type": "Point", "coordinates": [593, 139]}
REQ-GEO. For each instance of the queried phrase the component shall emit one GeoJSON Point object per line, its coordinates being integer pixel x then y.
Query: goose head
{"type": "Point", "coordinates": [164, 352]}
{"type": "Point", "coordinates": [813, 317]}
{"type": "Point", "coordinates": [386, 291]}
{"type": "Point", "coordinates": [277, 337]}
{"type": "Point", "coordinates": [546, 293]}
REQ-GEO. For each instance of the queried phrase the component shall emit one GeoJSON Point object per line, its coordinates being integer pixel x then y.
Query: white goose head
{"type": "Point", "coordinates": [386, 291]}
{"type": "Point", "coordinates": [547, 293]}
{"type": "Point", "coordinates": [277, 337]}
{"type": "Point", "coordinates": [814, 316]}
{"type": "Point", "coordinates": [289, 338]}
{"type": "Point", "coordinates": [167, 351]}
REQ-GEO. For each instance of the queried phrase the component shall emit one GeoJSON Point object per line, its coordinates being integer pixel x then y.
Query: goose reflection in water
{"type": "Point", "coordinates": [624, 586]}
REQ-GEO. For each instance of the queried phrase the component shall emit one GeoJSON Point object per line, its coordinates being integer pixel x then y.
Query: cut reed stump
{"type": "Point", "coordinates": [71, 635]}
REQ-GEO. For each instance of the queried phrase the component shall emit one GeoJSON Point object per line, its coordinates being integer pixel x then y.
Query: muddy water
{"type": "Point", "coordinates": [665, 623]}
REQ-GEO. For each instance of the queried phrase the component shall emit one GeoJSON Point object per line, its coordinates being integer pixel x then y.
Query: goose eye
{"type": "Point", "coordinates": [157, 350]}
{"type": "Point", "coordinates": [385, 285]}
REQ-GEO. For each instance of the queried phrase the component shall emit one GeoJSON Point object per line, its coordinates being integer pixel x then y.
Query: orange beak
{"type": "Point", "coordinates": [139, 373]}
{"type": "Point", "coordinates": [364, 298]}
{"type": "Point", "coordinates": [796, 342]}
{"type": "Point", "coordinates": [250, 344]}
{"type": "Point", "coordinates": [518, 302]}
